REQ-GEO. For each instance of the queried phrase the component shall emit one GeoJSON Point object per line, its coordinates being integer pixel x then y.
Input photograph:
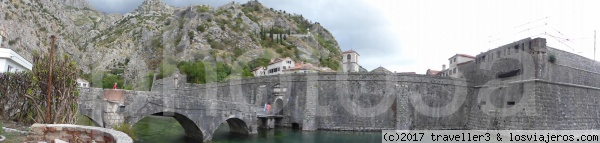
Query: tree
{"type": "Point", "coordinates": [195, 71]}
{"type": "Point", "coordinates": [247, 72]}
{"type": "Point", "coordinates": [223, 70]}
{"type": "Point", "coordinates": [26, 92]}
{"type": "Point", "coordinates": [109, 80]}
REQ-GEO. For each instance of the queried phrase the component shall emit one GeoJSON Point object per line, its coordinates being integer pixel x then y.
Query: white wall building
{"type": "Point", "coordinates": [10, 61]}
{"type": "Point", "coordinates": [455, 61]}
{"type": "Point", "coordinates": [82, 83]}
{"type": "Point", "coordinates": [278, 65]}
{"type": "Point", "coordinates": [350, 61]}
{"type": "Point", "coordinates": [259, 71]}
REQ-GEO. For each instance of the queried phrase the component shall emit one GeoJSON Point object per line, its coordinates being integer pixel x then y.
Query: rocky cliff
{"type": "Point", "coordinates": [155, 33]}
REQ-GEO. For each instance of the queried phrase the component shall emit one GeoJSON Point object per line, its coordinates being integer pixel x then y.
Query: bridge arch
{"type": "Point", "coordinates": [85, 117]}
{"type": "Point", "coordinates": [278, 106]}
{"type": "Point", "coordinates": [296, 126]}
{"type": "Point", "coordinates": [192, 131]}
{"type": "Point", "coordinates": [237, 125]}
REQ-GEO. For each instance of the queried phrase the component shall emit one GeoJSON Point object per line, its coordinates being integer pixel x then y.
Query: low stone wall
{"type": "Point", "coordinates": [75, 133]}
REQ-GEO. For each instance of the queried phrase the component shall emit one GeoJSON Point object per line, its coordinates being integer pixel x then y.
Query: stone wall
{"type": "Point", "coordinates": [75, 133]}
{"type": "Point", "coordinates": [540, 95]}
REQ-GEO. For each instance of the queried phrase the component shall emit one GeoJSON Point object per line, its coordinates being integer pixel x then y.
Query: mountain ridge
{"type": "Point", "coordinates": [154, 33]}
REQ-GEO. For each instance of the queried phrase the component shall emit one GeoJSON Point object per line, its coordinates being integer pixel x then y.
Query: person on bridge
{"type": "Point", "coordinates": [269, 108]}
{"type": "Point", "coordinates": [115, 86]}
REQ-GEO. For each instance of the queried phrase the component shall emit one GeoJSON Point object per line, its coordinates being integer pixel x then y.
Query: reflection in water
{"type": "Point", "coordinates": [155, 129]}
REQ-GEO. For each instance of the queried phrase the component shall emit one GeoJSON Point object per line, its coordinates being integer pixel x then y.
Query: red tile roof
{"type": "Point", "coordinates": [432, 72]}
{"type": "Point", "coordinates": [258, 68]}
{"type": "Point", "coordinates": [277, 60]}
{"type": "Point", "coordinates": [350, 51]}
{"type": "Point", "coordinates": [304, 67]}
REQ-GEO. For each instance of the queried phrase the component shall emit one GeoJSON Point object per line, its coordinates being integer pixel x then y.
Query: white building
{"type": "Point", "coordinates": [259, 71]}
{"type": "Point", "coordinates": [350, 61]}
{"type": "Point", "coordinates": [278, 65]}
{"type": "Point", "coordinates": [82, 83]}
{"type": "Point", "coordinates": [10, 61]}
{"type": "Point", "coordinates": [455, 61]}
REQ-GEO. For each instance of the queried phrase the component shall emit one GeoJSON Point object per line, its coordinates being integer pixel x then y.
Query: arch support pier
{"type": "Point", "coordinates": [269, 121]}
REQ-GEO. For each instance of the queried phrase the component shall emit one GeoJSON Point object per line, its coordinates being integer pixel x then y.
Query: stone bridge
{"type": "Point", "coordinates": [328, 101]}
{"type": "Point", "coordinates": [199, 117]}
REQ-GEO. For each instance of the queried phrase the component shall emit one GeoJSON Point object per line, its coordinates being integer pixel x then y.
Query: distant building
{"type": "Point", "coordinates": [10, 61]}
{"type": "Point", "coordinates": [302, 68]}
{"type": "Point", "coordinates": [350, 61]}
{"type": "Point", "coordinates": [407, 73]}
{"type": "Point", "coordinates": [82, 83]}
{"type": "Point", "coordinates": [433, 72]}
{"type": "Point", "coordinates": [381, 70]}
{"type": "Point", "coordinates": [259, 71]}
{"type": "Point", "coordinates": [454, 62]}
{"type": "Point", "coordinates": [278, 65]}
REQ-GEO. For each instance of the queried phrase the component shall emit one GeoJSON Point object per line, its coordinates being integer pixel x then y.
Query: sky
{"type": "Point", "coordinates": [416, 35]}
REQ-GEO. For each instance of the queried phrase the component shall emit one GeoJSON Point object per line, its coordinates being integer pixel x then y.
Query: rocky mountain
{"type": "Point", "coordinates": [137, 43]}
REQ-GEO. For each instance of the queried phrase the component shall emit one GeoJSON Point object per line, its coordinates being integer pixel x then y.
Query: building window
{"type": "Point", "coordinates": [455, 60]}
{"type": "Point", "coordinates": [349, 57]}
{"type": "Point", "coordinates": [284, 67]}
{"type": "Point", "coordinates": [510, 103]}
{"type": "Point", "coordinates": [9, 69]}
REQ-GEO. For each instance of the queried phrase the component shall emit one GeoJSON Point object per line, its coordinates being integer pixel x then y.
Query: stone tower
{"type": "Point", "coordinates": [350, 61]}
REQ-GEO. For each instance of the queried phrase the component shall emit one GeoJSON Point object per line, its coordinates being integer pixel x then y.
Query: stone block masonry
{"type": "Point", "coordinates": [75, 133]}
{"type": "Point", "coordinates": [511, 87]}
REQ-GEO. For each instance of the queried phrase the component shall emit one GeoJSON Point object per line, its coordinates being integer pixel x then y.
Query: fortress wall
{"type": "Point", "coordinates": [568, 95]}
{"type": "Point", "coordinates": [339, 101]}
{"type": "Point", "coordinates": [362, 102]}
{"type": "Point", "coordinates": [571, 68]}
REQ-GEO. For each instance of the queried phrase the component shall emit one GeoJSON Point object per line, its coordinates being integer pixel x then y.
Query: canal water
{"type": "Point", "coordinates": [155, 129]}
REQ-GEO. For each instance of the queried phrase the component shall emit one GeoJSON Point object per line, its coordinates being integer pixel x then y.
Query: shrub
{"type": "Point", "coordinates": [191, 35]}
{"type": "Point", "coordinates": [1, 130]}
{"type": "Point", "coordinates": [202, 9]}
{"type": "Point", "coordinates": [200, 28]}
{"type": "Point", "coordinates": [165, 70]}
{"type": "Point", "coordinates": [12, 42]}
{"type": "Point", "coordinates": [109, 80]}
{"type": "Point", "coordinates": [552, 58]}
{"type": "Point", "coordinates": [127, 129]}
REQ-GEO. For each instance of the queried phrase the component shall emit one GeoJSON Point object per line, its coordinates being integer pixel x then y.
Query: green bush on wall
{"type": "Point", "coordinates": [552, 58]}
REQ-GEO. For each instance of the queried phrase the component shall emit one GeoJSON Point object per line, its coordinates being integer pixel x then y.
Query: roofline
{"type": "Point", "coordinates": [270, 63]}
{"type": "Point", "coordinates": [464, 63]}
{"type": "Point", "coordinates": [462, 55]}
{"type": "Point", "coordinates": [350, 51]}
{"type": "Point", "coordinates": [9, 54]}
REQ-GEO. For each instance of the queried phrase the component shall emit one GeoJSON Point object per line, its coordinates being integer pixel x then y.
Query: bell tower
{"type": "Point", "coordinates": [350, 61]}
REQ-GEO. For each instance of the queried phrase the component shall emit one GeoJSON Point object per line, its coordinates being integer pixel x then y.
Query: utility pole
{"type": "Point", "coordinates": [49, 95]}
{"type": "Point", "coordinates": [594, 45]}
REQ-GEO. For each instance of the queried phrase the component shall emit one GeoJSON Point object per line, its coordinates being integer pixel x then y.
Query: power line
{"type": "Point", "coordinates": [519, 26]}
{"type": "Point", "coordinates": [560, 41]}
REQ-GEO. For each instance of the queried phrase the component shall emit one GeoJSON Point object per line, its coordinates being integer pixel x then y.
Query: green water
{"type": "Point", "coordinates": [155, 129]}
